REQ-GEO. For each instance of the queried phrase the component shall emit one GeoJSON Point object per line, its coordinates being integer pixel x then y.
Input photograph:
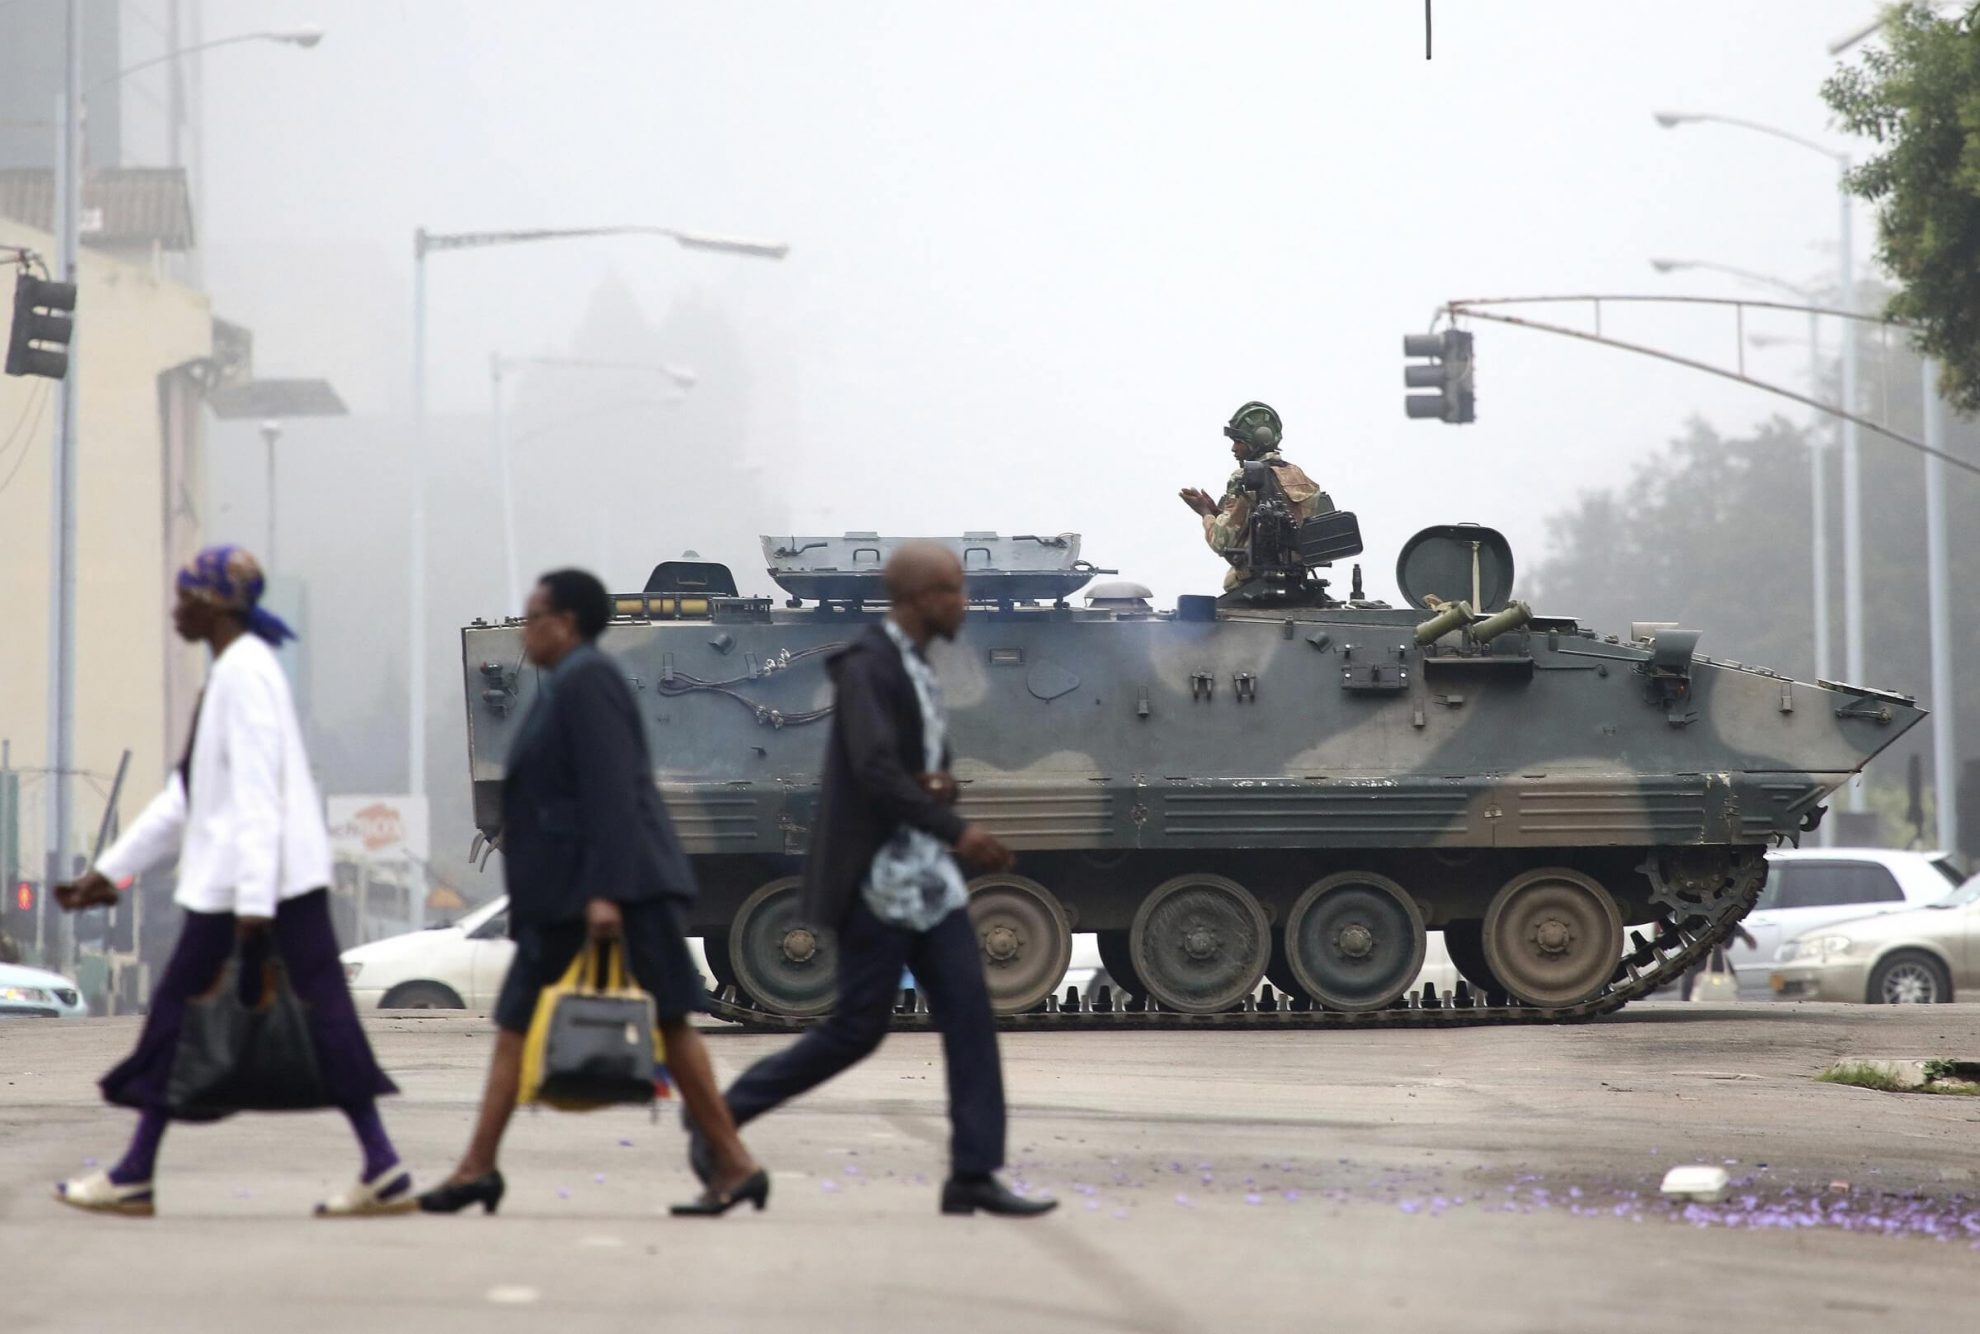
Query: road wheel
{"type": "Point", "coordinates": [1200, 943]}
{"type": "Point", "coordinates": [1025, 938]}
{"type": "Point", "coordinates": [1909, 977]}
{"type": "Point", "coordinates": [789, 966]}
{"type": "Point", "coordinates": [1355, 941]}
{"type": "Point", "coordinates": [422, 996]}
{"type": "Point", "coordinates": [1553, 936]}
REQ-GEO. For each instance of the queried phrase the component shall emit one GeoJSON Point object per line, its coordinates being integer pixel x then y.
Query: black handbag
{"type": "Point", "coordinates": [237, 1055]}
{"type": "Point", "coordinates": [598, 1038]}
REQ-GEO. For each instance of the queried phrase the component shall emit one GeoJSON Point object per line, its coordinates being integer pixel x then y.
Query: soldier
{"type": "Point", "coordinates": [1254, 433]}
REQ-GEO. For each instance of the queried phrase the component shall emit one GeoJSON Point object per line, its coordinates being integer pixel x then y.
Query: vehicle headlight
{"type": "Point", "coordinates": [351, 971]}
{"type": "Point", "coordinates": [25, 995]}
{"type": "Point", "coordinates": [1817, 947]}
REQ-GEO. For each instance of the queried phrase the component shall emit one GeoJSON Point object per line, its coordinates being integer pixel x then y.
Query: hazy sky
{"type": "Point", "coordinates": [1041, 251]}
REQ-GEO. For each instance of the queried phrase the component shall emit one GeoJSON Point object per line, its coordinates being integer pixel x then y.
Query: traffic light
{"type": "Point", "coordinates": [1448, 372]}
{"type": "Point", "coordinates": [17, 919]}
{"type": "Point", "coordinates": [42, 327]}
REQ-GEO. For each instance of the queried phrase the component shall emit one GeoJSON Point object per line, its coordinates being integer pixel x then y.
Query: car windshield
{"type": "Point", "coordinates": [1944, 866]}
{"type": "Point", "coordinates": [1966, 893]}
{"type": "Point", "coordinates": [475, 920]}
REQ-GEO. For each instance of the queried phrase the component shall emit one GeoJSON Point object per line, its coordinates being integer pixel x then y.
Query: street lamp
{"type": "Point", "coordinates": [302, 37]}
{"type": "Point", "coordinates": [1851, 462]}
{"type": "Point", "coordinates": [498, 366]}
{"type": "Point", "coordinates": [62, 537]}
{"type": "Point", "coordinates": [425, 242]}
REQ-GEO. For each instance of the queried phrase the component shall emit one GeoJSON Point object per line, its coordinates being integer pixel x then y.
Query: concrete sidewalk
{"type": "Point", "coordinates": [1469, 1179]}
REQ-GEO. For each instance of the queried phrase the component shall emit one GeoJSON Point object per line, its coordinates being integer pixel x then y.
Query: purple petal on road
{"type": "Point", "coordinates": [828, 1186]}
{"type": "Point", "coordinates": [563, 1192]}
{"type": "Point", "coordinates": [598, 1178]}
{"type": "Point", "coordinates": [1291, 1195]}
{"type": "Point", "coordinates": [1183, 1200]}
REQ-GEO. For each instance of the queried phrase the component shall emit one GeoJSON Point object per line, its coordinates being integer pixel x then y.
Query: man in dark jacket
{"type": "Point", "coordinates": [589, 853]}
{"type": "Point", "coordinates": [882, 874]}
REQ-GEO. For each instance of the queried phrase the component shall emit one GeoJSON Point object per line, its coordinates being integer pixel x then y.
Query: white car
{"type": "Point", "coordinates": [441, 968]}
{"type": "Point", "coordinates": [35, 993]}
{"type": "Point", "coordinates": [1811, 887]}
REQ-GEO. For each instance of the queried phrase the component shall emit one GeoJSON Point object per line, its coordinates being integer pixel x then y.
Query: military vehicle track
{"type": "Point", "coordinates": [1651, 965]}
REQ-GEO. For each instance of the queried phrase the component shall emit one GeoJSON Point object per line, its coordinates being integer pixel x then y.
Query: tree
{"type": "Point", "coordinates": [1919, 98]}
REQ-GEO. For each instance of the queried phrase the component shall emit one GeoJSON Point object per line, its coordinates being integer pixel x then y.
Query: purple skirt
{"type": "Point", "coordinates": [307, 943]}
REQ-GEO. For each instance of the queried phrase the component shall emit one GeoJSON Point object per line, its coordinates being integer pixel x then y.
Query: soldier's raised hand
{"type": "Point", "coordinates": [1198, 500]}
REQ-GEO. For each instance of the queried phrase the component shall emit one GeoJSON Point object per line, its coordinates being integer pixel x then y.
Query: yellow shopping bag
{"type": "Point", "coordinates": [592, 1040]}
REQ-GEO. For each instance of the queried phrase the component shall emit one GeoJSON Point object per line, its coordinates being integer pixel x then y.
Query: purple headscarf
{"type": "Point", "coordinates": [230, 578]}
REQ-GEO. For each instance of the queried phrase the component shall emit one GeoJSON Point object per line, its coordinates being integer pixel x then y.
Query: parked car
{"type": "Point", "coordinates": [1808, 888]}
{"type": "Point", "coordinates": [461, 965]}
{"type": "Point", "coordinates": [36, 993]}
{"type": "Point", "coordinates": [1917, 957]}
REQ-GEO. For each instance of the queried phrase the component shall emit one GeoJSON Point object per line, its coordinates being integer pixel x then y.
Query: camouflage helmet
{"type": "Point", "coordinates": [1256, 427]}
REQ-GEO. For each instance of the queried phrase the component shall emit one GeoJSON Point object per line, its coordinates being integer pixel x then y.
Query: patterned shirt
{"type": "Point", "coordinates": [914, 882]}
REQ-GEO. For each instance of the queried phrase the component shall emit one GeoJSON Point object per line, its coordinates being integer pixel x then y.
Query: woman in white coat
{"type": "Point", "coordinates": [242, 815]}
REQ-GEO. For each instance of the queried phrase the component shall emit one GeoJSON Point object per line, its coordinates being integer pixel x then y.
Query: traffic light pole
{"type": "Point", "coordinates": [1937, 459]}
{"type": "Point", "coordinates": [62, 525]}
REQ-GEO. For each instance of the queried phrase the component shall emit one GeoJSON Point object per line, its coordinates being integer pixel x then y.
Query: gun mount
{"type": "Point", "coordinates": [1280, 552]}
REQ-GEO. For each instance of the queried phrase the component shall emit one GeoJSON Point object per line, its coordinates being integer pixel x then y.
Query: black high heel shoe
{"type": "Point", "coordinates": [713, 1204]}
{"type": "Point", "coordinates": [450, 1197]}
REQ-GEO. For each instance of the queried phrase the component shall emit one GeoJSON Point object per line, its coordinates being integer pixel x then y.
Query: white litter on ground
{"type": "Point", "coordinates": [1697, 1182]}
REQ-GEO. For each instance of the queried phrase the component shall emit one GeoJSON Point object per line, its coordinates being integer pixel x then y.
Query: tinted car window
{"type": "Point", "coordinates": [1830, 885]}
{"type": "Point", "coordinates": [494, 928]}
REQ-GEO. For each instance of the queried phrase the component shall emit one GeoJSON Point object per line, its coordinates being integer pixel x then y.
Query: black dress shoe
{"type": "Point", "coordinates": [990, 1195]}
{"type": "Point", "coordinates": [713, 1203]}
{"type": "Point", "coordinates": [450, 1197]}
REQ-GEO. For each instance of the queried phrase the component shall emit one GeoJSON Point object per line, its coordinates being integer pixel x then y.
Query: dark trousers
{"type": "Point", "coordinates": [947, 965]}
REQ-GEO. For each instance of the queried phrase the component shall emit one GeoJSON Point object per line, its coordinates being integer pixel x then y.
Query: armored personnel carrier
{"type": "Point", "coordinates": [1275, 784]}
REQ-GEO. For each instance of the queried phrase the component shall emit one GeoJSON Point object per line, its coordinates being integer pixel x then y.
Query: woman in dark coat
{"type": "Point", "coordinates": [588, 853]}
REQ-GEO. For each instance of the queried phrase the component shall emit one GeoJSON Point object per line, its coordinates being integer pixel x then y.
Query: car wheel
{"type": "Point", "coordinates": [1909, 977]}
{"type": "Point", "coordinates": [421, 996]}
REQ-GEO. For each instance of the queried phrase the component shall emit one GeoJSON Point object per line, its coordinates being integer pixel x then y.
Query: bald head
{"type": "Point", "coordinates": [918, 566]}
{"type": "Point", "coordinates": [925, 585]}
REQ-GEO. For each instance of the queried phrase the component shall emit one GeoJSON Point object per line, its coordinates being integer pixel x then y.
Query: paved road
{"type": "Point", "coordinates": [1468, 1180]}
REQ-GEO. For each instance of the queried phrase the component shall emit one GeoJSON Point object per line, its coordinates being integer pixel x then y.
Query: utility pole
{"type": "Point", "coordinates": [62, 525]}
{"type": "Point", "coordinates": [1852, 476]}
{"type": "Point", "coordinates": [1939, 606]}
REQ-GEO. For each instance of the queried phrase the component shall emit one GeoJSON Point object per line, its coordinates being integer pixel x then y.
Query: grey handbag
{"type": "Point", "coordinates": [598, 1049]}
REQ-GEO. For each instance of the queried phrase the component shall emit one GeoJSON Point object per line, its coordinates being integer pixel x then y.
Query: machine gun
{"type": "Point", "coordinates": [1280, 552]}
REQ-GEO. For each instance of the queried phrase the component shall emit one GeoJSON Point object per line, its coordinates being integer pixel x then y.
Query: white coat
{"type": "Point", "coordinates": [252, 833]}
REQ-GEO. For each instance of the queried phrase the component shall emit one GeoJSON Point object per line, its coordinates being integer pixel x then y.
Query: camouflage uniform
{"type": "Point", "coordinates": [1229, 526]}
